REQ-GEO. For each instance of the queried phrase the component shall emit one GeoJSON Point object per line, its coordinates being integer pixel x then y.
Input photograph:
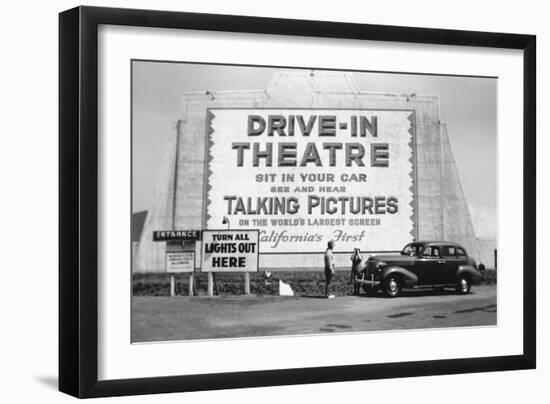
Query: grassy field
{"type": "Point", "coordinates": [303, 283]}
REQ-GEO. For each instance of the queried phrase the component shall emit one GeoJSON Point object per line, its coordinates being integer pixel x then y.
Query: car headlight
{"type": "Point", "coordinates": [380, 265]}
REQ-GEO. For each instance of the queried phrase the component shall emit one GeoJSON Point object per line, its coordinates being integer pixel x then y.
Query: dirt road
{"type": "Point", "coordinates": [164, 318]}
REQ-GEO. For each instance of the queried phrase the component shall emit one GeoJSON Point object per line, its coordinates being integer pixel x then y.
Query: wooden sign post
{"type": "Point", "coordinates": [210, 284]}
{"type": "Point", "coordinates": [172, 286]}
{"type": "Point", "coordinates": [191, 284]}
{"type": "Point", "coordinates": [247, 283]}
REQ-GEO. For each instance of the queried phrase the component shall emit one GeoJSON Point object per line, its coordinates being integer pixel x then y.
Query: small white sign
{"type": "Point", "coordinates": [180, 261]}
{"type": "Point", "coordinates": [230, 251]}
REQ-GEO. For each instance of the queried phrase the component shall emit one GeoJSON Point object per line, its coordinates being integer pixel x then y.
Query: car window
{"type": "Point", "coordinates": [460, 252]}
{"type": "Point", "coordinates": [411, 249]}
{"type": "Point", "coordinates": [449, 251]}
{"type": "Point", "coordinates": [431, 252]}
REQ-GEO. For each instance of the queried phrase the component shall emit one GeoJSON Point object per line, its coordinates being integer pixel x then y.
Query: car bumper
{"type": "Point", "coordinates": [368, 282]}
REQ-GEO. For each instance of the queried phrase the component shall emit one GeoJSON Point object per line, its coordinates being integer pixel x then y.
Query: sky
{"type": "Point", "coordinates": [467, 105]}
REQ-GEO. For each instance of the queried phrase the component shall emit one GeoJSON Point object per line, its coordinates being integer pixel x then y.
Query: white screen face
{"type": "Point", "coordinates": [120, 359]}
{"type": "Point", "coordinates": [316, 168]}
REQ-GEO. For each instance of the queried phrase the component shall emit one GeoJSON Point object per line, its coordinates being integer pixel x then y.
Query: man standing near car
{"type": "Point", "coordinates": [329, 268]}
{"type": "Point", "coordinates": [356, 260]}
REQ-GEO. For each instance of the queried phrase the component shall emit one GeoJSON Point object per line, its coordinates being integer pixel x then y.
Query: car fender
{"type": "Point", "coordinates": [409, 277]}
{"type": "Point", "coordinates": [471, 271]}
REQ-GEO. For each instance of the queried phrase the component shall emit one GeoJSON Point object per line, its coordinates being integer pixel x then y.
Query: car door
{"type": "Point", "coordinates": [427, 265]}
{"type": "Point", "coordinates": [461, 259]}
{"type": "Point", "coordinates": [451, 263]}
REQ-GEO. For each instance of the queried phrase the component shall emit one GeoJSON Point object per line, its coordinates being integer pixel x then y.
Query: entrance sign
{"type": "Point", "coordinates": [180, 261]}
{"type": "Point", "coordinates": [304, 177]}
{"type": "Point", "coordinates": [176, 235]}
{"type": "Point", "coordinates": [230, 251]}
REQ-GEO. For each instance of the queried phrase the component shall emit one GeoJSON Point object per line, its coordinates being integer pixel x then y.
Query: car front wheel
{"type": "Point", "coordinates": [463, 285]}
{"type": "Point", "coordinates": [392, 287]}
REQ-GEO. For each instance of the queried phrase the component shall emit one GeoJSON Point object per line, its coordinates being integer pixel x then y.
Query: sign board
{"type": "Point", "coordinates": [176, 235]}
{"type": "Point", "coordinates": [180, 261]}
{"type": "Point", "coordinates": [304, 177]}
{"type": "Point", "coordinates": [230, 251]}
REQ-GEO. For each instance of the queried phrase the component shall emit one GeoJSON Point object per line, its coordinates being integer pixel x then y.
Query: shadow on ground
{"type": "Point", "coordinates": [418, 293]}
{"type": "Point", "coordinates": [48, 381]}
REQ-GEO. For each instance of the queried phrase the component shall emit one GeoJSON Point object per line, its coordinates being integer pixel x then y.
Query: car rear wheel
{"type": "Point", "coordinates": [392, 286]}
{"type": "Point", "coordinates": [463, 285]}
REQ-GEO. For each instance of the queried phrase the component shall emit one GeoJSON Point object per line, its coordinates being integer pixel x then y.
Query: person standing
{"type": "Point", "coordinates": [329, 268]}
{"type": "Point", "coordinates": [356, 259]}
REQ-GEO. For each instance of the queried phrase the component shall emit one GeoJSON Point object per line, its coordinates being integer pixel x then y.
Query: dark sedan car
{"type": "Point", "coordinates": [421, 264]}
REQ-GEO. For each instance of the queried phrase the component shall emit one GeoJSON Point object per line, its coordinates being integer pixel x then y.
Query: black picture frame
{"type": "Point", "coordinates": [78, 200]}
